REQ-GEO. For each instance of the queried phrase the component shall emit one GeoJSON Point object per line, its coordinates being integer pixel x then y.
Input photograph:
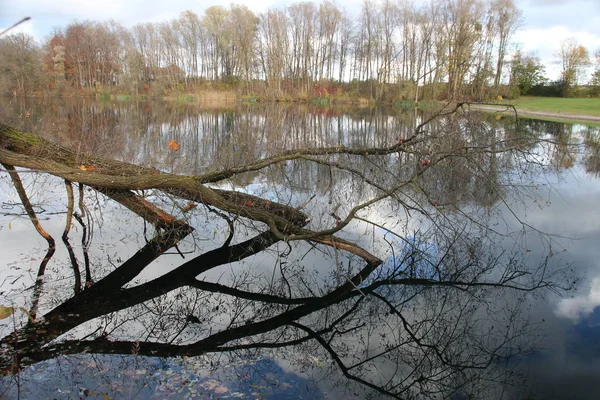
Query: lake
{"type": "Point", "coordinates": [459, 262]}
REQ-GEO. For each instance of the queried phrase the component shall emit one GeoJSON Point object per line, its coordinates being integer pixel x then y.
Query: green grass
{"type": "Point", "coordinates": [573, 106]}
{"type": "Point", "coordinates": [103, 96]}
{"type": "Point", "coordinates": [320, 101]}
{"type": "Point", "coordinates": [405, 104]}
{"type": "Point", "coordinates": [424, 105]}
{"type": "Point", "coordinates": [249, 99]}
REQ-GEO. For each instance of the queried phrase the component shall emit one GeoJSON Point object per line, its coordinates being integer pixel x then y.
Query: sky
{"type": "Point", "coordinates": [545, 22]}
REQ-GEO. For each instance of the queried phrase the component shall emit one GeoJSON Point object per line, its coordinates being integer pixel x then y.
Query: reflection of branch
{"type": "Point", "coordinates": [154, 349]}
{"type": "Point", "coordinates": [141, 259]}
{"type": "Point", "coordinates": [241, 294]}
{"type": "Point", "coordinates": [335, 356]}
{"type": "Point", "coordinates": [229, 223]}
{"type": "Point", "coordinates": [84, 247]}
{"type": "Point", "coordinates": [37, 290]}
{"type": "Point", "coordinates": [32, 217]}
{"type": "Point", "coordinates": [65, 237]}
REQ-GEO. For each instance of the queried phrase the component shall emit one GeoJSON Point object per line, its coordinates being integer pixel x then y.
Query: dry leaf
{"type": "Point", "coordinates": [188, 206]}
{"type": "Point", "coordinates": [90, 168]}
{"type": "Point", "coordinates": [83, 167]}
{"type": "Point", "coordinates": [6, 312]}
{"type": "Point", "coordinates": [173, 145]}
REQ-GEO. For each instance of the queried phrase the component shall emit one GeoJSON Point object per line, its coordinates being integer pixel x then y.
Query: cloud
{"type": "Point", "coordinates": [580, 307]}
{"type": "Point", "coordinates": [545, 42]}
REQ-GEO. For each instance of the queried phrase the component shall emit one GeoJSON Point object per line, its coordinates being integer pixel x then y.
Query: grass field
{"type": "Point", "coordinates": [586, 106]}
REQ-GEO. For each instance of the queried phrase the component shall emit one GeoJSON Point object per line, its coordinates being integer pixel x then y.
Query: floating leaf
{"type": "Point", "coordinates": [173, 145]}
{"type": "Point", "coordinates": [188, 206]}
{"type": "Point", "coordinates": [6, 312]}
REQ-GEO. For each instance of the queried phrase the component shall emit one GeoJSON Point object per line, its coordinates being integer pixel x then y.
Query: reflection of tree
{"type": "Point", "coordinates": [566, 144]}
{"type": "Point", "coordinates": [592, 146]}
{"type": "Point", "coordinates": [432, 313]}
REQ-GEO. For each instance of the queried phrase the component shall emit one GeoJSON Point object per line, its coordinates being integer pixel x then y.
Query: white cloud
{"type": "Point", "coordinates": [69, 9]}
{"type": "Point", "coordinates": [546, 42]}
{"type": "Point", "coordinates": [579, 307]}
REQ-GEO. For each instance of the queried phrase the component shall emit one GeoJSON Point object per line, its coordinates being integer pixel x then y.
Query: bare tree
{"type": "Point", "coordinates": [20, 64]}
{"type": "Point", "coordinates": [574, 59]}
{"type": "Point", "coordinates": [508, 20]}
{"type": "Point", "coordinates": [463, 27]}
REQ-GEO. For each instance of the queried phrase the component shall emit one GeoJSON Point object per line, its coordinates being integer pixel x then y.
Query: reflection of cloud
{"type": "Point", "coordinates": [580, 306]}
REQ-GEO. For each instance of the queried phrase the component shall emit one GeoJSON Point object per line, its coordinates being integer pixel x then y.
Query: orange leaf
{"type": "Point", "coordinates": [188, 206]}
{"type": "Point", "coordinates": [248, 203]}
{"type": "Point", "coordinates": [173, 145]}
{"type": "Point", "coordinates": [83, 168]}
{"type": "Point", "coordinates": [90, 168]}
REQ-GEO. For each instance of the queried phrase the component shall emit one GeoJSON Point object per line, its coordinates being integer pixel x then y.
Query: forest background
{"type": "Point", "coordinates": [308, 51]}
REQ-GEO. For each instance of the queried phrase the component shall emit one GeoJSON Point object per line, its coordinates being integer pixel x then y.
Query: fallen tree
{"type": "Point", "coordinates": [430, 309]}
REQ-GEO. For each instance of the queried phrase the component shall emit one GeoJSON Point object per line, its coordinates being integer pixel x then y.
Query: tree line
{"type": "Point", "coordinates": [438, 49]}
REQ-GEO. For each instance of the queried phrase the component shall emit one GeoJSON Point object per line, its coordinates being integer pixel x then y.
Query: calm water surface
{"type": "Point", "coordinates": [543, 211]}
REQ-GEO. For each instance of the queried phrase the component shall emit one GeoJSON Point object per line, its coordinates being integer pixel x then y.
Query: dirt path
{"type": "Point", "coordinates": [524, 113]}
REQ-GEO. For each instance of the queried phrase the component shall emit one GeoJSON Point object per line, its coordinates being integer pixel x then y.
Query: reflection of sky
{"type": "Point", "coordinates": [567, 205]}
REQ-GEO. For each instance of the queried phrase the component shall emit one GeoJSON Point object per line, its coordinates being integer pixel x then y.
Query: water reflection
{"type": "Point", "coordinates": [123, 281]}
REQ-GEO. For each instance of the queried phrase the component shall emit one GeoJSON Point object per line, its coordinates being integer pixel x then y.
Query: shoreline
{"type": "Point", "coordinates": [229, 98]}
{"type": "Point", "coordinates": [523, 112]}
